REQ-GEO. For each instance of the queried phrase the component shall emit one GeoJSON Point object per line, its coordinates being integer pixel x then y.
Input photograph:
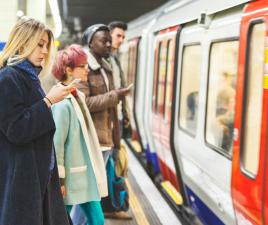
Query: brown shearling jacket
{"type": "Point", "coordinates": [102, 102]}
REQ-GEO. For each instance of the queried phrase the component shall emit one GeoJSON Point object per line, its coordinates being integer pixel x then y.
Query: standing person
{"type": "Point", "coordinates": [101, 96]}
{"type": "Point", "coordinates": [29, 183]}
{"type": "Point", "coordinates": [81, 166]}
{"type": "Point", "coordinates": [117, 31]}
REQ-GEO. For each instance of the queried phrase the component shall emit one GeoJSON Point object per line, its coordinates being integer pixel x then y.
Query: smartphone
{"type": "Point", "coordinates": [130, 86]}
{"type": "Point", "coordinates": [75, 81]}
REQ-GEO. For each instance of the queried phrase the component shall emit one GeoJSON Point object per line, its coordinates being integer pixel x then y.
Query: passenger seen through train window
{"type": "Point", "coordinates": [225, 109]}
{"type": "Point", "coordinates": [190, 83]}
{"type": "Point", "coordinates": [221, 95]}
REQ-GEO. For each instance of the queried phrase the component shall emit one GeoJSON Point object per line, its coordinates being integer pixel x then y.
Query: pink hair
{"type": "Point", "coordinates": [72, 56]}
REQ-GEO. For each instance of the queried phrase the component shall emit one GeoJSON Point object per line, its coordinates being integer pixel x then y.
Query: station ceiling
{"type": "Point", "coordinates": [79, 14]}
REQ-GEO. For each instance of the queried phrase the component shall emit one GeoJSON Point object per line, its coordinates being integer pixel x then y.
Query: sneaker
{"type": "Point", "coordinates": [117, 215]}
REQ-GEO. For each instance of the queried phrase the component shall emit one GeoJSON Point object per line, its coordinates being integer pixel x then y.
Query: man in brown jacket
{"type": "Point", "coordinates": [101, 96]}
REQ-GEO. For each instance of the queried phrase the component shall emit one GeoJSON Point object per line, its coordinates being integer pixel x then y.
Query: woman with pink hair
{"type": "Point", "coordinates": [80, 162]}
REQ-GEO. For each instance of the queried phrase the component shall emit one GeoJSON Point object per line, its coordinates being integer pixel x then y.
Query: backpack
{"type": "Point", "coordinates": [118, 199]}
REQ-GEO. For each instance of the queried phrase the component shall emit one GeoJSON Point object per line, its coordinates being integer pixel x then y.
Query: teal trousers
{"type": "Point", "coordinates": [92, 211]}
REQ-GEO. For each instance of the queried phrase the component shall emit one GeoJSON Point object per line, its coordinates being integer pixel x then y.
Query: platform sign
{"type": "Point", "coordinates": [2, 45]}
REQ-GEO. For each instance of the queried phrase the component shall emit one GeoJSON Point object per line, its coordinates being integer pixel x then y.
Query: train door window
{"type": "Point", "coordinates": [161, 77]}
{"type": "Point", "coordinates": [130, 64]}
{"type": "Point", "coordinates": [190, 83]}
{"type": "Point", "coordinates": [221, 96]}
{"type": "Point", "coordinates": [132, 61]}
{"type": "Point", "coordinates": [156, 75]}
{"type": "Point", "coordinates": [169, 80]}
{"type": "Point", "coordinates": [253, 102]}
{"type": "Point", "coordinates": [124, 62]}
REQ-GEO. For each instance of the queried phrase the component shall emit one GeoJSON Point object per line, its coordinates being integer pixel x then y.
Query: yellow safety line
{"type": "Point", "coordinates": [172, 192]}
{"type": "Point", "coordinates": [136, 146]}
{"type": "Point", "coordinates": [265, 81]}
{"type": "Point", "coordinates": [136, 207]}
{"type": "Point", "coordinates": [266, 55]}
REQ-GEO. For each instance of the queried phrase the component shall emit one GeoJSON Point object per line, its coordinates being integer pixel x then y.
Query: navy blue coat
{"type": "Point", "coordinates": [29, 191]}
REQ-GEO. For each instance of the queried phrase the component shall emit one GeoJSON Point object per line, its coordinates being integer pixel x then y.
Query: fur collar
{"type": "Point", "coordinates": [94, 65]}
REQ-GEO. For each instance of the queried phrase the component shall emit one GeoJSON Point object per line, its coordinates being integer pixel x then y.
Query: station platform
{"type": "Point", "coordinates": [147, 206]}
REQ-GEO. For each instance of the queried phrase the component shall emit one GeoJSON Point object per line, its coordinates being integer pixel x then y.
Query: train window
{"type": "Point", "coordinates": [129, 62]}
{"type": "Point", "coordinates": [156, 76]}
{"type": "Point", "coordinates": [162, 72]}
{"type": "Point", "coordinates": [190, 83]}
{"type": "Point", "coordinates": [124, 61]}
{"type": "Point", "coordinates": [253, 100]}
{"type": "Point", "coordinates": [221, 95]}
{"type": "Point", "coordinates": [169, 80]}
{"type": "Point", "coordinates": [132, 62]}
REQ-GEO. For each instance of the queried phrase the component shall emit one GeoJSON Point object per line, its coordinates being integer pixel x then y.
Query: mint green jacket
{"type": "Point", "coordinates": [79, 158]}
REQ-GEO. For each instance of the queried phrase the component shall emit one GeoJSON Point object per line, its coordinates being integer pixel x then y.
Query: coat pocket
{"type": "Point", "coordinates": [78, 178]}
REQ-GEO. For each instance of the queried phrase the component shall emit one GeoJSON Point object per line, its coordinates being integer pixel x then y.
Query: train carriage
{"type": "Point", "coordinates": [204, 77]}
{"type": "Point", "coordinates": [135, 58]}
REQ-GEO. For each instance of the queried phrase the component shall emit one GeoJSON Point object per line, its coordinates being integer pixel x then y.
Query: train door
{"type": "Point", "coordinates": [250, 133]}
{"type": "Point", "coordinates": [166, 109]}
{"type": "Point", "coordinates": [204, 121]}
{"type": "Point", "coordinates": [162, 100]}
{"type": "Point", "coordinates": [140, 89]}
{"type": "Point", "coordinates": [158, 93]}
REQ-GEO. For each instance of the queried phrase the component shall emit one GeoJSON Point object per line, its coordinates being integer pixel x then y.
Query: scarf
{"type": "Point", "coordinates": [33, 72]}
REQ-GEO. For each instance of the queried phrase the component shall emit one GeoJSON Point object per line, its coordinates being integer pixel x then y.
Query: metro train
{"type": "Point", "coordinates": [200, 104]}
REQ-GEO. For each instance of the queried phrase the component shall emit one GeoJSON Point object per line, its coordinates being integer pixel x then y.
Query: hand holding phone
{"type": "Point", "coordinates": [74, 82]}
{"type": "Point", "coordinates": [124, 91]}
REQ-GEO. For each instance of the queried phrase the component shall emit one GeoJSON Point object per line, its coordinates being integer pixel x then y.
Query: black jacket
{"type": "Point", "coordinates": [27, 186]}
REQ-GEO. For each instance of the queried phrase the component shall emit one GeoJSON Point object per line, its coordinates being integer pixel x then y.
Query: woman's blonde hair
{"type": "Point", "coordinates": [23, 39]}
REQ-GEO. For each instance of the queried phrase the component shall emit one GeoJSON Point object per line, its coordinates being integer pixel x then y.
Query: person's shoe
{"type": "Point", "coordinates": [117, 215]}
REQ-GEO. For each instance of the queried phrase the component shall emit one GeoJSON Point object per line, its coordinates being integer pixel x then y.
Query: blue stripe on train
{"type": "Point", "coordinates": [202, 211]}
{"type": "Point", "coordinates": [152, 158]}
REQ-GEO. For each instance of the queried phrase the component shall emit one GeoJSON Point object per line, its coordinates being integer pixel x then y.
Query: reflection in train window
{"type": "Point", "coordinates": [169, 80]}
{"type": "Point", "coordinates": [190, 83]}
{"type": "Point", "coordinates": [253, 103]}
{"type": "Point", "coordinates": [221, 95]}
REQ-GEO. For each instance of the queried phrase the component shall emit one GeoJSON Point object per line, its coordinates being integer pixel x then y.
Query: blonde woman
{"type": "Point", "coordinates": [29, 184]}
{"type": "Point", "coordinates": [80, 162]}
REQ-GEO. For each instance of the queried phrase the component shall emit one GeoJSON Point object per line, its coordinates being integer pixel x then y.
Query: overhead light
{"type": "Point", "coordinates": [20, 13]}
{"type": "Point", "coordinates": [54, 8]}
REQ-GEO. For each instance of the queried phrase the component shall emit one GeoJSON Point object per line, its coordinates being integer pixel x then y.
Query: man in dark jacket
{"type": "Point", "coordinates": [117, 31]}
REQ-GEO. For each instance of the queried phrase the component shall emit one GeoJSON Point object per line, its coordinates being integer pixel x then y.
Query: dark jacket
{"type": "Point", "coordinates": [123, 83]}
{"type": "Point", "coordinates": [27, 186]}
{"type": "Point", "coordinates": [102, 103]}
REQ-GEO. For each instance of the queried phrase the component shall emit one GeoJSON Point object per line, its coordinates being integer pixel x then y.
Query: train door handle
{"type": "Point", "coordinates": [220, 206]}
